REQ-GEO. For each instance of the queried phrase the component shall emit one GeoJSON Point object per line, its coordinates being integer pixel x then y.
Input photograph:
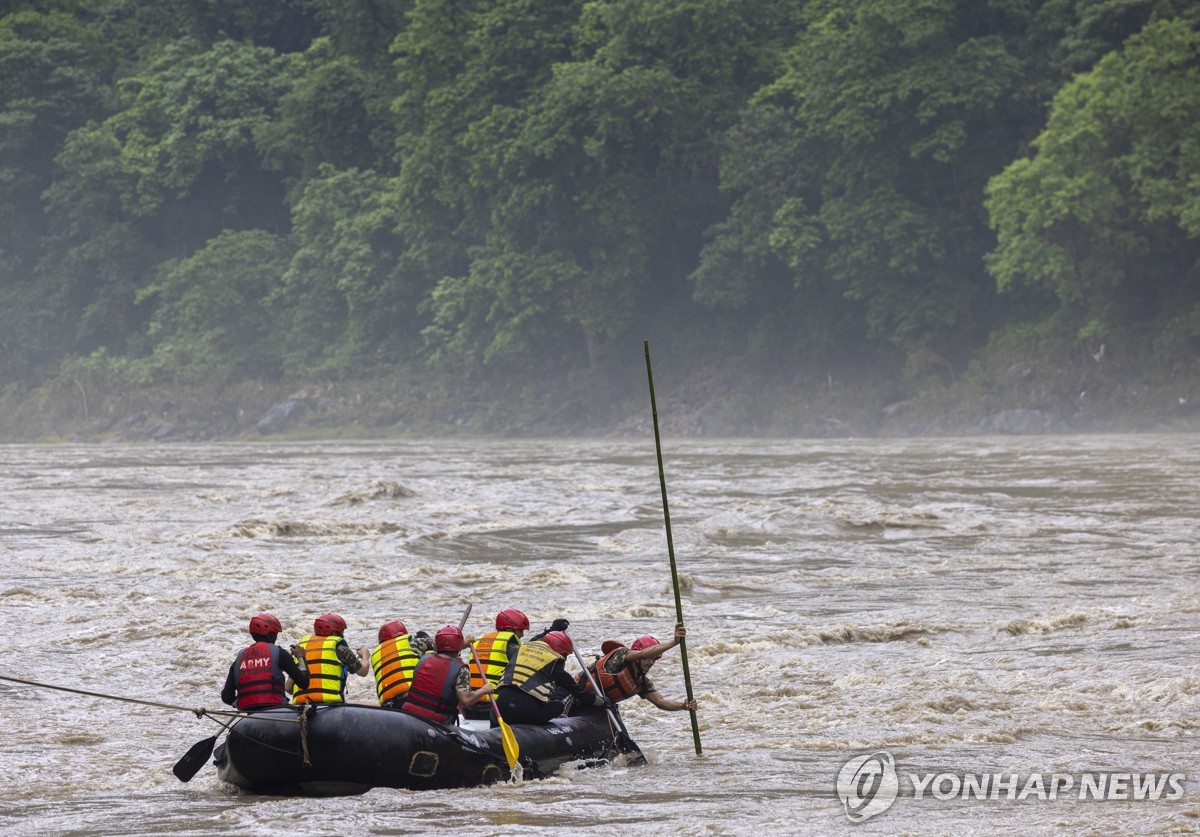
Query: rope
{"type": "Point", "coordinates": [199, 713]}
{"type": "Point", "coordinates": [304, 734]}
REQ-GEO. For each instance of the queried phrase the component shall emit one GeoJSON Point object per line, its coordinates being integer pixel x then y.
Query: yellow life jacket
{"type": "Point", "coordinates": [393, 663]}
{"type": "Point", "coordinates": [530, 671]}
{"type": "Point", "coordinates": [326, 674]}
{"type": "Point", "coordinates": [492, 650]}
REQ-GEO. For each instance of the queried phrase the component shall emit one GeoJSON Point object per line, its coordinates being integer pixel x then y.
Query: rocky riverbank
{"type": "Point", "coordinates": [718, 401]}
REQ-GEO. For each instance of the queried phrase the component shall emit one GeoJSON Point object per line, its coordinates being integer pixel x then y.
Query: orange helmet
{"type": "Point", "coordinates": [329, 623]}
{"type": "Point", "coordinates": [391, 630]}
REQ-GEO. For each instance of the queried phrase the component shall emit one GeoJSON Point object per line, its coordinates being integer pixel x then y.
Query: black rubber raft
{"type": "Point", "coordinates": [351, 748]}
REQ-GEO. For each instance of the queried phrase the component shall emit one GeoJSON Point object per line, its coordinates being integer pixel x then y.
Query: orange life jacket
{"type": "Point", "coordinates": [492, 650]}
{"type": "Point", "coordinates": [616, 687]}
{"type": "Point", "coordinates": [393, 663]}
{"type": "Point", "coordinates": [326, 674]}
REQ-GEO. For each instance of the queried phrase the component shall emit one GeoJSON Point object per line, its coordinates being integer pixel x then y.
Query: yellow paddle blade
{"type": "Point", "coordinates": [511, 751]}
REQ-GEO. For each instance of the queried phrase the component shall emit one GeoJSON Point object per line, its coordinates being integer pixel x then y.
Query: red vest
{"type": "Point", "coordinates": [259, 677]}
{"type": "Point", "coordinates": [433, 694]}
{"type": "Point", "coordinates": [617, 687]}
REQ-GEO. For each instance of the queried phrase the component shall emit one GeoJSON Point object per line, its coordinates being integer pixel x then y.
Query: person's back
{"type": "Point", "coordinates": [495, 650]}
{"type": "Point", "coordinates": [528, 690]}
{"type": "Point", "coordinates": [329, 660]}
{"type": "Point", "coordinates": [257, 676]}
{"type": "Point", "coordinates": [394, 661]}
{"type": "Point", "coordinates": [441, 682]}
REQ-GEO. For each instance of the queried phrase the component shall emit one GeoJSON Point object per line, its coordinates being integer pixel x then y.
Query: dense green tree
{"type": "Point", "coordinates": [326, 117]}
{"type": "Point", "coordinates": [596, 166]}
{"type": "Point", "coordinates": [55, 73]}
{"type": "Point", "coordinates": [345, 296]}
{"type": "Point", "coordinates": [903, 110]}
{"type": "Point", "coordinates": [532, 185]}
{"type": "Point", "coordinates": [282, 25]}
{"type": "Point", "coordinates": [170, 170]}
{"type": "Point", "coordinates": [213, 319]}
{"type": "Point", "coordinates": [363, 29]}
{"type": "Point", "coordinates": [1106, 213]}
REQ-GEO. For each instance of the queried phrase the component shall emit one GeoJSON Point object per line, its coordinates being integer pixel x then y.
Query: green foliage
{"type": "Point", "coordinates": [212, 318]}
{"type": "Point", "coordinates": [901, 110]}
{"type": "Point", "coordinates": [154, 181]}
{"type": "Point", "coordinates": [1110, 203]}
{"type": "Point", "coordinates": [281, 25]}
{"type": "Point", "coordinates": [344, 293]}
{"type": "Point", "coordinates": [54, 73]}
{"type": "Point", "coordinates": [209, 190]}
{"type": "Point", "coordinates": [327, 117]}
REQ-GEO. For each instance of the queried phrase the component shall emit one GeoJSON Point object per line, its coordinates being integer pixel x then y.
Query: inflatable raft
{"type": "Point", "coordinates": [351, 748]}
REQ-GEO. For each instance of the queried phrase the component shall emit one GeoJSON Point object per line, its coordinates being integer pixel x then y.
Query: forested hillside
{"type": "Point", "coordinates": [816, 210]}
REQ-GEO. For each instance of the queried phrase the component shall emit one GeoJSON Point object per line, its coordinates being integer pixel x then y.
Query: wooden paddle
{"type": "Point", "coordinates": [512, 751]}
{"type": "Point", "coordinates": [624, 742]}
{"type": "Point", "coordinates": [196, 757]}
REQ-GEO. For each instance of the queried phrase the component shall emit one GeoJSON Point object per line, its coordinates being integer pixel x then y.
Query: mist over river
{"type": "Point", "coordinates": [1009, 606]}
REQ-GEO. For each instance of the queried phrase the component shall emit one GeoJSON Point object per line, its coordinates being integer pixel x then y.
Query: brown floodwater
{"type": "Point", "coordinates": [968, 606]}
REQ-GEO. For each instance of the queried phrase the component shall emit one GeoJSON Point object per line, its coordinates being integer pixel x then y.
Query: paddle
{"type": "Point", "coordinates": [662, 481]}
{"type": "Point", "coordinates": [624, 742]}
{"type": "Point", "coordinates": [196, 757]}
{"type": "Point", "coordinates": [511, 750]}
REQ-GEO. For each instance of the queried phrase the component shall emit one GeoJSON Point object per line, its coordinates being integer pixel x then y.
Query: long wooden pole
{"type": "Point", "coordinates": [662, 481]}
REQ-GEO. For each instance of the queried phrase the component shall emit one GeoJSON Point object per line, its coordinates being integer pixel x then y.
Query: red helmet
{"type": "Point", "coordinates": [448, 638]}
{"type": "Point", "coordinates": [391, 630]}
{"type": "Point", "coordinates": [512, 620]}
{"type": "Point", "coordinates": [560, 642]}
{"type": "Point", "coordinates": [265, 623]}
{"type": "Point", "coordinates": [641, 642]}
{"type": "Point", "coordinates": [329, 623]}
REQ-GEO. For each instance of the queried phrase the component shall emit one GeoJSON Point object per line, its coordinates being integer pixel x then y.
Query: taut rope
{"type": "Point", "coordinates": [199, 713]}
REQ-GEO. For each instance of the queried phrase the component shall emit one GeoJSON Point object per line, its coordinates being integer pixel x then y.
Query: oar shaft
{"type": "Point", "coordinates": [613, 717]}
{"type": "Point", "coordinates": [662, 481]}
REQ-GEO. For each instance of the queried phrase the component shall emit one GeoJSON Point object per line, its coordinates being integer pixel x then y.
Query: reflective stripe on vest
{"type": "Point", "coordinates": [393, 663]}
{"type": "Point", "coordinates": [326, 674]}
{"type": "Point", "coordinates": [434, 691]}
{"type": "Point", "coordinates": [259, 677]}
{"type": "Point", "coordinates": [493, 656]}
{"type": "Point", "coordinates": [530, 671]}
{"type": "Point", "coordinates": [616, 687]}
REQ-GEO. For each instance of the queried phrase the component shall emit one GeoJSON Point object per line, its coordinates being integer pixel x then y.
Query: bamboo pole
{"type": "Point", "coordinates": [662, 481]}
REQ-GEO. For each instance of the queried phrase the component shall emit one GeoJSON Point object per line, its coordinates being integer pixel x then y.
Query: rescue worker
{"type": "Point", "coordinates": [328, 659]}
{"type": "Point", "coordinates": [530, 686]}
{"type": "Point", "coordinates": [494, 650]}
{"type": "Point", "coordinates": [257, 675]}
{"type": "Point", "coordinates": [622, 672]}
{"type": "Point", "coordinates": [441, 683]}
{"type": "Point", "coordinates": [394, 659]}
